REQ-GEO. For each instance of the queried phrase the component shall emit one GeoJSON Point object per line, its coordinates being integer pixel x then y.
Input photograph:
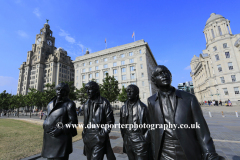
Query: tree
{"type": "Point", "coordinates": [21, 101]}
{"type": "Point", "coordinates": [73, 91]}
{"type": "Point", "coordinates": [48, 94]}
{"type": "Point", "coordinates": [82, 94]}
{"type": "Point", "coordinates": [31, 98]}
{"type": "Point", "coordinates": [122, 97]}
{"type": "Point", "coordinates": [4, 100]}
{"type": "Point", "coordinates": [109, 89]}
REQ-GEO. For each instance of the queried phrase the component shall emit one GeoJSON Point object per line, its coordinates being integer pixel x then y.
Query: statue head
{"type": "Point", "coordinates": [92, 89]}
{"type": "Point", "coordinates": [161, 77]}
{"type": "Point", "coordinates": [62, 90]}
{"type": "Point", "coordinates": [132, 92]}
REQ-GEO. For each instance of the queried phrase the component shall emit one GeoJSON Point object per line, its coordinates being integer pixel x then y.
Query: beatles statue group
{"type": "Point", "coordinates": [167, 106]}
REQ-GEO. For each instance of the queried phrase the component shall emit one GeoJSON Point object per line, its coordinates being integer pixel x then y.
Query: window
{"type": "Point", "coordinates": [217, 57]}
{"type": "Point", "coordinates": [215, 48]}
{"type": "Point", "coordinates": [230, 66]}
{"type": "Point", "coordinates": [142, 83]}
{"type": "Point", "coordinates": [77, 77]}
{"type": "Point", "coordinates": [233, 78]}
{"type": "Point", "coordinates": [140, 58]}
{"type": "Point", "coordinates": [132, 68]}
{"type": "Point", "coordinates": [83, 76]}
{"type": "Point", "coordinates": [131, 60]}
{"type": "Point", "coordinates": [90, 63]}
{"type": "Point", "coordinates": [96, 61]}
{"type": "Point", "coordinates": [122, 55]}
{"type": "Point", "coordinates": [131, 54]}
{"type": "Point", "coordinates": [212, 33]}
{"type": "Point", "coordinates": [77, 71]}
{"type": "Point", "coordinates": [105, 66]}
{"type": "Point", "coordinates": [124, 77]}
{"type": "Point", "coordinates": [224, 45]}
{"type": "Point", "coordinates": [123, 70]}
{"type": "Point", "coordinates": [225, 91]}
{"type": "Point", "coordinates": [222, 80]}
{"type": "Point", "coordinates": [220, 31]}
{"type": "Point", "coordinates": [105, 72]}
{"type": "Point", "coordinates": [133, 76]}
{"type": "Point", "coordinates": [90, 76]}
{"type": "Point", "coordinates": [140, 51]}
{"type": "Point", "coordinates": [84, 64]}
{"type": "Point", "coordinates": [227, 54]}
{"type": "Point", "coordinates": [124, 85]}
{"type": "Point", "coordinates": [77, 84]}
{"type": "Point", "coordinates": [105, 59]}
{"type": "Point", "coordinates": [114, 71]}
{"type": "Point", "coordinates": [114, 64]}
{"type": "Point", "coordinates": [116, 77]}
{"type": "Point", "coordinates": [83, 70]}
{"type": "Point", "coordinates": [90, 69]}
{"type": "Point", "coordinates": [96, 68]}
{"type": "Point", "coordinates": [97, 80]}
{"type": "Point", "coordinates": [219, 68]}
{"type": "Point", "coordinates": [134, 83]}
{"type": "Point", "coordinates": [114, 57]}
{"type": "Point", "coordinates": [141, 66]}
{"type": "Point", "coordinates": [144, 95]}
{"type": "Point", "coordinates": [96, 74]}
{"type": "Point", "coordinates": [142, 74]}
{"type": "Point", "coordinates": [236, 90]}
{"type": "Point", "coordinates": [83, 82]}
{"type": "Point", "coordinates": [122, 62]}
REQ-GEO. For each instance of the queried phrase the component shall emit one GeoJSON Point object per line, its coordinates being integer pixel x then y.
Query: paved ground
{"type": "Point", "coordinates": [225, 131]}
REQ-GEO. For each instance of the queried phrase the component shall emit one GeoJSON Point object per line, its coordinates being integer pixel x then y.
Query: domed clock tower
{"type": "Point", "coordinates": [44, 64]}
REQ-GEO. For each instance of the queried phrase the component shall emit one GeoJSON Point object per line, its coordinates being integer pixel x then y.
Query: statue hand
{"type": "Point", "coordinates": [56, 132]}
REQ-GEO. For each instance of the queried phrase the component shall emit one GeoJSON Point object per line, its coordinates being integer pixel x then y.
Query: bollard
{"type": "Point", "coordinates": [236, 114]}
{"type": "Point", "coordinates": [210, 115]}
{"type": "Point", "coordinates": [222, 114]}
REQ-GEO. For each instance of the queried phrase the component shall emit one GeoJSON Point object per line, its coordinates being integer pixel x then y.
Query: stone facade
{"type": "Point", "coordinates": [130, 64]}
{"type": "Point", "coordinates": [45, 64]}
{"type": "Point", "coordinates": [216, 73]}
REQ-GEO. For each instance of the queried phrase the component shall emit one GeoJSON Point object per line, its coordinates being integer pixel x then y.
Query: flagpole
{"type": "Point", "coordinates": [134, 36]}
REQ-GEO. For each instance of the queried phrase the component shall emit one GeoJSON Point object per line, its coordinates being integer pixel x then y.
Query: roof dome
{"type": "Point", "coordinates": [194, 58]}
{"type": "Point", "coordinates": [213, 17]}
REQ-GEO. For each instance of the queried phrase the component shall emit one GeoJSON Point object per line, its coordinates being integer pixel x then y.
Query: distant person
{"type": "Point", "coordinates": [229, 103]}
{"type": "Point", "coordinates": [220, 102]}
{"type": "Point", "coordinates": [41, 114]}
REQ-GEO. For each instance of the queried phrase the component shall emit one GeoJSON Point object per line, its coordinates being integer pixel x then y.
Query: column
{"type": "Point", "coordinates": [229, 28]}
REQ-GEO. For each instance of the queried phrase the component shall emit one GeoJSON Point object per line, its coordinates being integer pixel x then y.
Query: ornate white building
{"type": "Point", "coordinates": [131, 63]}
{"type": "Point", "coordinates": [216, 73]}
{"type": "Point", "coordinates": [44, 64]}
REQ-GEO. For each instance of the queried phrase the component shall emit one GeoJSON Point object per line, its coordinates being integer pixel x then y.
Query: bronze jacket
{"type": "Point", "coordinates": [197, 144]}
{"type": "Point", "coordinates": [102, 114]}
{"type": "Point", "coordinates": [64, 112]}
{"type": "Point", "coordinates": [141, 111]}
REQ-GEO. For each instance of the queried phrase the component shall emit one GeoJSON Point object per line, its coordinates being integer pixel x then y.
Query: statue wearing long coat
{"type": "Point", "coordinates": [65, 112]}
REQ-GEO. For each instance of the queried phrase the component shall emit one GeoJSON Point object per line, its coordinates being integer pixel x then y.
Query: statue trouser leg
{"type": "Point", "coordinates": [62, 158]}
{"type": "Point", "coordinates": [94, 149]}
{"type": "Point", "coordinates": [136, 150]}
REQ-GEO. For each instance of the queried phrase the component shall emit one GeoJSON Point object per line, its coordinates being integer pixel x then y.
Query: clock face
{"type": "Point", "coordinates": [49, 42]}
{"type": "Point", "coordinates": [39, 40]}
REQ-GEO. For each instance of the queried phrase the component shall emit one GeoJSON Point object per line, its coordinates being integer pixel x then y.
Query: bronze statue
{"type": "Point", "coordinates": [57, 139]}
{"type": "Point", "coordinates": [173, 106]}
{"type": "Point", "coordinates": [135, 139]}
{"type": "Point", "coordinates": [97, 111]}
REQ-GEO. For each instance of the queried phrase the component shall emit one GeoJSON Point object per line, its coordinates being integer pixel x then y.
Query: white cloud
{"type": "Point", "coordinates": [66, 35]}
{"type": "Point", "coordinates": [37, 12]}
{"type": "Point", "coordinates": [187, 68]}
{"type": "Point", "coordinates": [70, 39]}
{"type": "Point", "coordinates": [162, 61]}
{"type": "Point", "coordinates": [22, 33]}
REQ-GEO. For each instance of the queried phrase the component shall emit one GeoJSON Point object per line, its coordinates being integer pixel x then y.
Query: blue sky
{"type": "Point", "coordinates": [172, 28]}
